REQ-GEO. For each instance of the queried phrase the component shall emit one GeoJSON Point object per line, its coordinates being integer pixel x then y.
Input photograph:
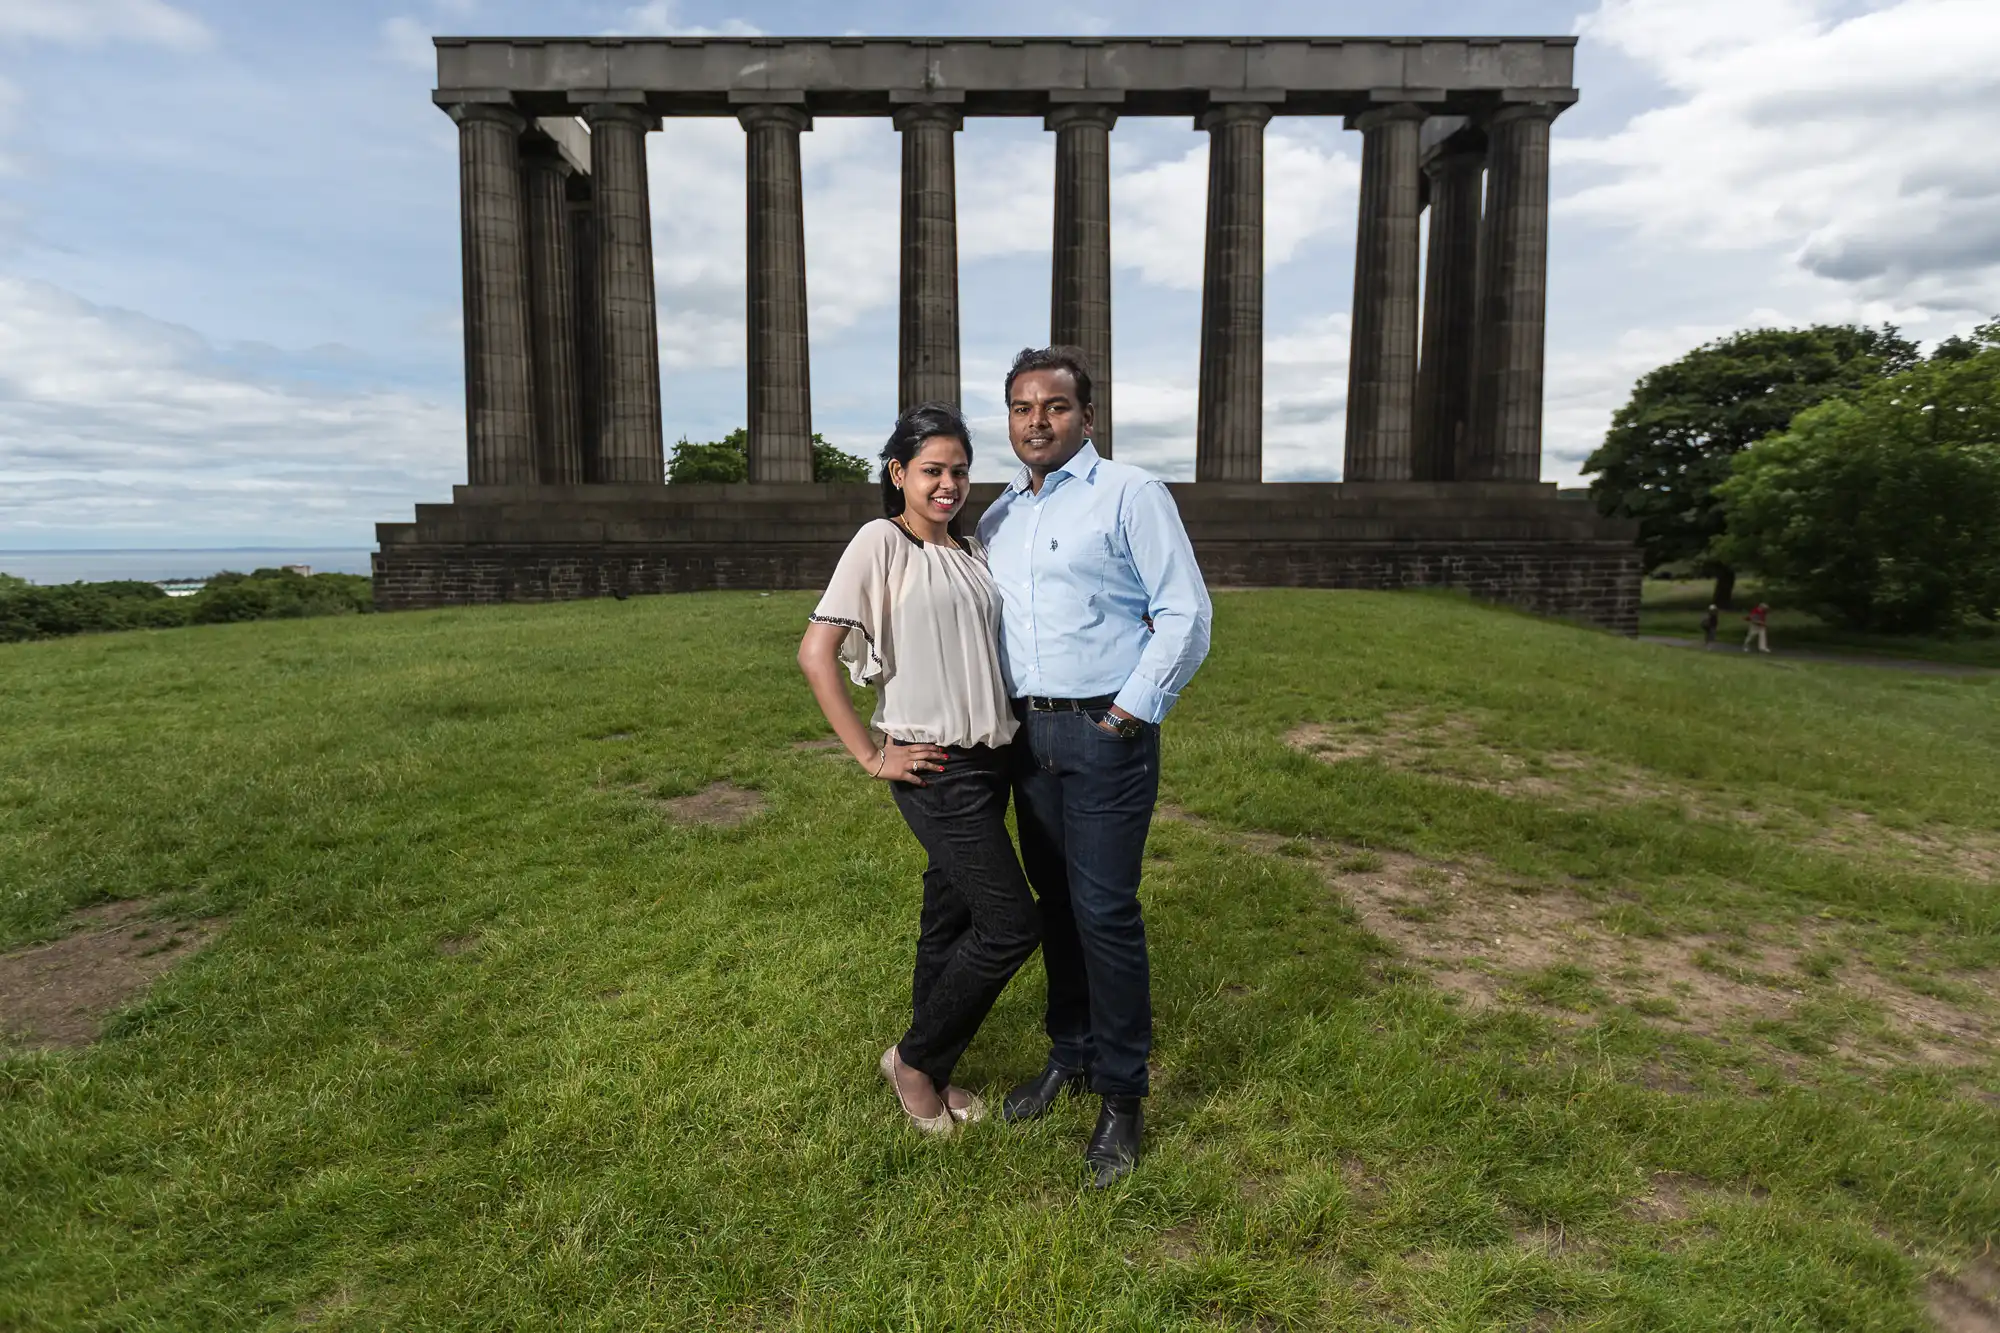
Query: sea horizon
{"type": "Point", "coordinates": [159, 563]}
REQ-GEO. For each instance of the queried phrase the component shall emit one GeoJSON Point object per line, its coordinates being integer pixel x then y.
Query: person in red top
{"type": "Point", "coordinates": [1760, 619]}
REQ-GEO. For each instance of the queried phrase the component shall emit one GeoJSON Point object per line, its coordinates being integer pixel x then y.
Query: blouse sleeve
{"type": "Point", "coordinates": [859, 598]}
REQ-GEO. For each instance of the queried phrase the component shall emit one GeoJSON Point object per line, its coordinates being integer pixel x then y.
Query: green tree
{"type": "Point", "coordinates": [1671, 445]}
{"type": "Point", "coordinates": [728, 459]}
{"type": "Point", "coordinates": [1883, 511]}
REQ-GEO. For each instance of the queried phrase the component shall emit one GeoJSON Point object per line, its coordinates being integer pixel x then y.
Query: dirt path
{"type": "Point", "coordinates": [1922, 666]}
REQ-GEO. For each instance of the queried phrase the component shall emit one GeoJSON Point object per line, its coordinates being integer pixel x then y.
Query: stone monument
{"type": "Point", "coordinates": [565, 492]}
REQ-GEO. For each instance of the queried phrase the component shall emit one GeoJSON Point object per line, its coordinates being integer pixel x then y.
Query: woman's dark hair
{"type": "Point", "coordinates": [923, 422]}
{"type": "Point", "coordinates": [1058, 357]}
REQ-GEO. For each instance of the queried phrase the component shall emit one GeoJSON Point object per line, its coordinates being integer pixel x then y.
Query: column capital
{"type": "Point", "coordinates": [1514, 111]}
{"type": "Point", "coordinates": [1383, 115]}
{"type": "Point", "coordinates": [773, 113]}
{"type": "Point", "coordinates": [618, 113]}
{"type": "Point", "coordinates": [1235, 113]}
{"type": "Point", "coordinates": [493, 113]}
{"type": "Point", "coordinates": [928, 113]}
{"type": "Point", "coordinates": [1065, 114]}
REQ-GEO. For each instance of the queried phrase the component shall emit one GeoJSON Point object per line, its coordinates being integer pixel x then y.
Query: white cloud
{"type": "Point", "coordinates": [118, 424]}
{"type": "Point", "coordinates": [663, 18]}
{"type": "Point", "coordinates": [1159, 213]}
{"type": "Point", "coordinates": [1852, 145]}
{"type": "Point", "coordinates": [93, 22]}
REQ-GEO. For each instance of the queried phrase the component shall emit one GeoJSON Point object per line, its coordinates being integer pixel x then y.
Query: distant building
{"type": "Point", "coordinates": [303, 571]}
{"type": "Point", "coordinates": [182, 587]}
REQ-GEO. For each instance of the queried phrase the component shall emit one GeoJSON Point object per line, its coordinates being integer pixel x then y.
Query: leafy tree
{"type": "Point", "coordinates": [830, 464]}
{"type": "Point", "coordinates": [1884, 511]}
{"type": "Point", "coordinates": [724, 460]}
{"type": "Point", "coordinates": [1671, 445]}
{"type": "Point", "coordinates": [728, 459]}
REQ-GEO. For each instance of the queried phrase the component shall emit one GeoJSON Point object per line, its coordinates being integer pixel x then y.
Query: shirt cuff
{"type": "Point", "coordinates": [1144, 700]}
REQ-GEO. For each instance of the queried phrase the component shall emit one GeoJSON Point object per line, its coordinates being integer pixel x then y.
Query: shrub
{"type": "Point", "coordinates": [31, 612]}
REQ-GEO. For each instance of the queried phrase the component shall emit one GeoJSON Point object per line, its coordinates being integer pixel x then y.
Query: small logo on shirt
{"type": "Point", "coordinates": [1052, 543]}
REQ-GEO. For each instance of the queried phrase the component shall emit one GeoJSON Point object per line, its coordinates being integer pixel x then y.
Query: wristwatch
{"type": "Point", "coordinates": [1128, 727]}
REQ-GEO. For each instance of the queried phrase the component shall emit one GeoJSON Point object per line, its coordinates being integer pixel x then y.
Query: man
{"type": "Point", "coordinates": [1760, 621]}
{"type": "Point", "coordinates": [1104, 617]}
{"type": "Point", "coordinates": [1709, 623]}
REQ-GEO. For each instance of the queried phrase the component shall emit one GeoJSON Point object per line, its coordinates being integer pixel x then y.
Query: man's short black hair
{"type": "Point", "coordinates": [1051, 358]}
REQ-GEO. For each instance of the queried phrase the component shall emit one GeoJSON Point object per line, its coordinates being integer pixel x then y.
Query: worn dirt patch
{"type": "Point", "coordinates": [1453, 748]}
{"type": "Point", "coordinates": [1669, 1197]}
{"type": "Point", "coordinates": [1964, 854]}
{"type": "Point", "coordinates": [1496, 940]}
{"type": "Point", "coordinates": [453, 945]}
{"type": "Point", "coordinates": [1968, 1302]}
{"type": "Point", "coordinates": [719, 805]}
{"type": "Point", "coordinates": [59, 994]}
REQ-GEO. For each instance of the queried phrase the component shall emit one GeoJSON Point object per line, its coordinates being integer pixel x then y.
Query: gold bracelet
{"type": "Point", "coordinates": [881, 760]}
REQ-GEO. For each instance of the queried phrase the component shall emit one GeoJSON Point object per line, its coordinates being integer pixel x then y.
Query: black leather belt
{"type": "Point", "coordinates": [1036, 703]}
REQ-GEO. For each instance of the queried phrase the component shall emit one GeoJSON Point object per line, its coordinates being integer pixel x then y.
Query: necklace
{"type": "Point", "coordinates": [904, 523]}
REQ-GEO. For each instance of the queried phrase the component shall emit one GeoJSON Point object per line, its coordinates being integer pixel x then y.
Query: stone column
{"type": "Point", "coordinates": [1080, 271]}
{"type": "Point", "coordinates": [1451, 298]}
{"type": "Point", "coordinates": [927, 352]}
{"type": "Point", "coordinates": [1229, 432]}
{"type": "Point", "coordinates": [629, 445]}
{"type": "Point", "coordinates": [552, 314]}
{"type": "Point", "coordinates": [780, 423]}
{"type": "Point", "coordinates": [583, 299]}
{"type": "Point", "coordinates": [1513, 295]}
{"type": "Point", "coordinates": [1382, 356]}
{"type": "Point", "coordinates": [499, 373]}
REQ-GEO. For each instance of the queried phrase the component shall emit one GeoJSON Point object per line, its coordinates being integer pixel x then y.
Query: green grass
{"type": "Point", "coordinates": [645, 1096]}
{"type": "Point", "coordinates": [1674, 607]}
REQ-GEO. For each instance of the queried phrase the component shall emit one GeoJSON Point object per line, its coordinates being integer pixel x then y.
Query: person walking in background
{"type": "Point", "coordinates": [1760, 619]}
{"type": "Point", "coordinates": [913, 611]}
{"type": "Point", "coordinates": [1104, 618]}
{"type": "Point", "coordinates": [1709, 624]}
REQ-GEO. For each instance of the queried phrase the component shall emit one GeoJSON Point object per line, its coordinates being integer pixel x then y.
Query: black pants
{"type": "Point", "coordinates": [979, 921]}
{"type": "Point", "coordinates": [1083, 799]}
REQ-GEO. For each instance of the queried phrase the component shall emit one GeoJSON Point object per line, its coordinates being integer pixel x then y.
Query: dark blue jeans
{"type": "Point", "coordinates": [1083, 802]}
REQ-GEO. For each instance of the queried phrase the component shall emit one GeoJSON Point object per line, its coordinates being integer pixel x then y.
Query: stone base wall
{"type": "Point", "coordinates": [1596, 586]}
{"type": "Point", "coordinates": [411, 577]}
{"type": "Point", "coordinates": [1521, 544]}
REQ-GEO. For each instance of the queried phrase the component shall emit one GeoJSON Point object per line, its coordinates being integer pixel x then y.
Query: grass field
{"type": "Point", "coordinates": [1674, 607]}
{"type": "Point", "coordinates": [1507, 976]}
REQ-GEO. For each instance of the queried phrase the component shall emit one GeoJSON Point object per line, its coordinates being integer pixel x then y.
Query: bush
{"type": "Point", "coordinates": [31, 612]}
{"type": "Point", "coordinates": [270, 594]}
{"type": "Point", "coordinates": [728, 460]}
{"type": "Point", "coordinates": [1883, 511]}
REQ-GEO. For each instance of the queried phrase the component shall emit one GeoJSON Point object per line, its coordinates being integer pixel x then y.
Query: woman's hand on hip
{"type": "Point", "coordinates": [909, 763]}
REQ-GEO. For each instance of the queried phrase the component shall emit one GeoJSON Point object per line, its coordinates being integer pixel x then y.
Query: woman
{"type": "Point", "coordinates": [912, 611]}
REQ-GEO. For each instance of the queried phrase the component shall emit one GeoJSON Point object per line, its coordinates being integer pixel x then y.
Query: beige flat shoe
{"type": "Point", "coordinates": [965, 1107]}
{"type": "Point", "coordinates": [941, 1123]}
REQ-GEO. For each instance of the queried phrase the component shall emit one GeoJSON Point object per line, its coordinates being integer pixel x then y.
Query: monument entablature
{"type": "Point", "coordinates": [566, 492]}
{"type": "Point", "coordinates": [1012, 76]}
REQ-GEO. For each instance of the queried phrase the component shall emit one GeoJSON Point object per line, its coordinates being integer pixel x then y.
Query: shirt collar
{"type": "Point", "coordinates": [1081, 464]}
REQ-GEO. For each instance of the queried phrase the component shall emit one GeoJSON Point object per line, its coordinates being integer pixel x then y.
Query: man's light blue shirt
{"type": "Point", "coordinates": [1099, 588]}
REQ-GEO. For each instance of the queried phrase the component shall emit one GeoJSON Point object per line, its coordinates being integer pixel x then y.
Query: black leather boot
{"type": "Point", "coordinates": [1033, 1099]}
{"type": "Point", "coordinates": [1114, 1144]}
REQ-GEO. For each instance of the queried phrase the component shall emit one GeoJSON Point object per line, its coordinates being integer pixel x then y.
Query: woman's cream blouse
{"type": "Point", "coordinates": [923, 626]}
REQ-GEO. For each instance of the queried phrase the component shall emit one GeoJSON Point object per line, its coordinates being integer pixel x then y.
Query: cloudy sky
{"type": "Point", "coordinates": [229, 305]}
